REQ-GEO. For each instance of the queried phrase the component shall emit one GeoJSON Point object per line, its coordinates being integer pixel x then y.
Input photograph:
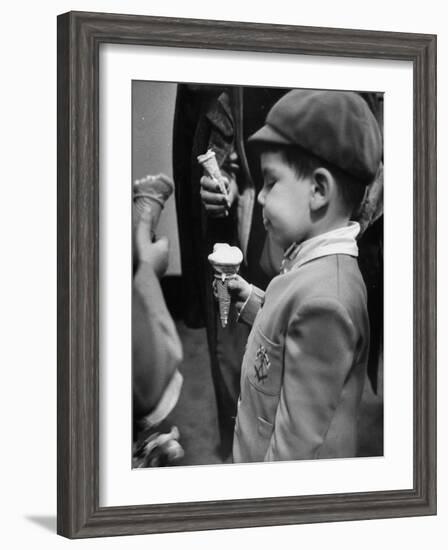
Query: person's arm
{"type": "Point", "coordinates": [319, 351]}
{"type": "Point", "coordinates": [156, 347]}
{"type": "Point", "coordinates": [251, 306]}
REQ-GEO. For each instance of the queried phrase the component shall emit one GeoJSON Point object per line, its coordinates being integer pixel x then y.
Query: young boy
{"type": "Point", "coordinates": [304, 368]}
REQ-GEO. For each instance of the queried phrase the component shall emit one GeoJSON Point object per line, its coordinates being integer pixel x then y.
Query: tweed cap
{"type": "Point", "coordinates": [335, 126]}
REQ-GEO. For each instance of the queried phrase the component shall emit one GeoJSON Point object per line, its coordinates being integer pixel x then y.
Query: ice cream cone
{"type": "Point", "coordinates": [153, 191]}
{"type": "Point", "coordinates": [222, 290]}
{"type": "Point", "coordinates": [210, 165]}
{"type": "Point", "coordinates": [226, 261]}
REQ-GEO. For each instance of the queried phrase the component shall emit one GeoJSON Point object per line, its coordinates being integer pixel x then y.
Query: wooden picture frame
{"type": "Point", "coordinates": [79, 38]}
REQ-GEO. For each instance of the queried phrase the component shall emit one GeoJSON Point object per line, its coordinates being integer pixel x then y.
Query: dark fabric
{"type": "Point", "coordinates": [191, 133]}
{"type": "Point", "coordinates": [371, 265]}
{"type": "Point", "coordinates": [370, 260]}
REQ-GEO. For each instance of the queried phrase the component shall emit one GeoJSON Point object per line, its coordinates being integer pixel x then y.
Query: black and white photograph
{"type": "Point", "coordinates": [243, 339]}
{"type": "Point", "coordinates": [257, 274]}
{"type": "Point", "coordinates": [224, 275]}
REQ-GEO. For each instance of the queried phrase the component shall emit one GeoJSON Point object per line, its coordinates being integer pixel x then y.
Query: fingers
{"type": "Point", "coordinates": [223, 213]}
{"type": "Point", "coordinates": [236, 284]}
{"type": "Point", "coordinates": [143, 231]}
{"type": "Point", "coordinates": [210, 185]}
{"type": "Point", "coordinates": [240, 289]}
{"type": "Point", "coordinates": [213, 199]}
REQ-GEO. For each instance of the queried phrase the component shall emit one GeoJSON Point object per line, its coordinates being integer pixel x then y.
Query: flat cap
{"type": "Point", "coordinates": [335, 126]}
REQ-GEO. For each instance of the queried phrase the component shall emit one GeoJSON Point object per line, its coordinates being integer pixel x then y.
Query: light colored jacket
{"type": "Point", "coordinates": [304, 368]}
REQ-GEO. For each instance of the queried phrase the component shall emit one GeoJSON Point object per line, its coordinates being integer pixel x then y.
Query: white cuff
{"type": "Point", "coordinates": [166, 403]}
{"type": "Point", "coordinates": [251, 306]}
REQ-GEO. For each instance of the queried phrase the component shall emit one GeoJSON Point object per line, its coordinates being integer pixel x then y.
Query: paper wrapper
{"type": "Point", "coordinates": [153, 191]}
{"type": "Point", "coordinates": [223, 273]}
{"type": "Point", "coordinates": [210, 165]}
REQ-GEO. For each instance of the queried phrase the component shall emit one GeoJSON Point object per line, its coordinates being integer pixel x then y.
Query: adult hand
{"type": "Point", "coordinates": [216, 204]}
{"type": "Point", "coordinates": [155, 253]}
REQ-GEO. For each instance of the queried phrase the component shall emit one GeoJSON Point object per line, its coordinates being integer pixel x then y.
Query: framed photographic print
{"type": "Point", "coordinates": [275, 364]}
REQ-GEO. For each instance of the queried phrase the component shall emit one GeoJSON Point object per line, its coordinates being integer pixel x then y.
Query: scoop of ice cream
{"type": "Point", "coordinates": [223, 253]}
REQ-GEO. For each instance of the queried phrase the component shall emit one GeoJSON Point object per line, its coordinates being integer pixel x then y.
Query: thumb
{"type": "Point", "coordinates": [235, 284]}
{"type": "Point", "coordinates": [143, 232]}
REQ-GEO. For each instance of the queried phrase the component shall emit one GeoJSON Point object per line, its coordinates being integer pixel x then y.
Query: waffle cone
{"type": "Point", "coordinates": [210, 164]}
{"type": "Point", "coordinates": [224, 272]}
{"type": "Point", "coordinates": [211, 168]}
{"type": "Point", "coordinates": [228, 270]}
{"type": "Point", "coordinates": [141, 204]}
{"type": "Point", "coordinates": [152, 191]}
{"type": "Point", "coordinates": [222, 291]}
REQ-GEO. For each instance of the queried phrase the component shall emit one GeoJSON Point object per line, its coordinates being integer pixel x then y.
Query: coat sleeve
{"type": "Point", "coordinates": [251, 306]}
{"type": "Point", "coordinates": [156, 347]}
{"type": "Point", "coordinates": [319, 351]}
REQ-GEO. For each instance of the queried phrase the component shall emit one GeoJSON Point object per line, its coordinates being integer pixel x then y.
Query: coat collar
{"type": "Point", "coordinates": [338, 241]}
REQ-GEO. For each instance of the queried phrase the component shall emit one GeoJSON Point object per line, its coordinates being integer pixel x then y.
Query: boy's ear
{"type": "Point", "coordinates": [322, 188]}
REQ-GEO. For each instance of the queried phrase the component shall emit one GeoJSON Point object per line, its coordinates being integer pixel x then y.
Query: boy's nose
{"type": "Point", "coordinates": [261, 197]}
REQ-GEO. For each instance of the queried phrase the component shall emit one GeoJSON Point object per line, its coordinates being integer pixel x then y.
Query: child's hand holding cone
{"type": "Point", "coordinates": [239, 290]}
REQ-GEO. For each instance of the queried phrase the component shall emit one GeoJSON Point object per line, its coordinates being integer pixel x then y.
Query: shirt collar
{"type": "Point", "coordinates": [337, 241]}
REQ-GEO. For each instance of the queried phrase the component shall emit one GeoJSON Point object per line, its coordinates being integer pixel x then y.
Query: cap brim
{"type": "Point", "coordinates": [267, 134]}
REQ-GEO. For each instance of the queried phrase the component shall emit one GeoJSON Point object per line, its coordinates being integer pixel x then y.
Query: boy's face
{"type": "Point", "coordinates": [285, 199]}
